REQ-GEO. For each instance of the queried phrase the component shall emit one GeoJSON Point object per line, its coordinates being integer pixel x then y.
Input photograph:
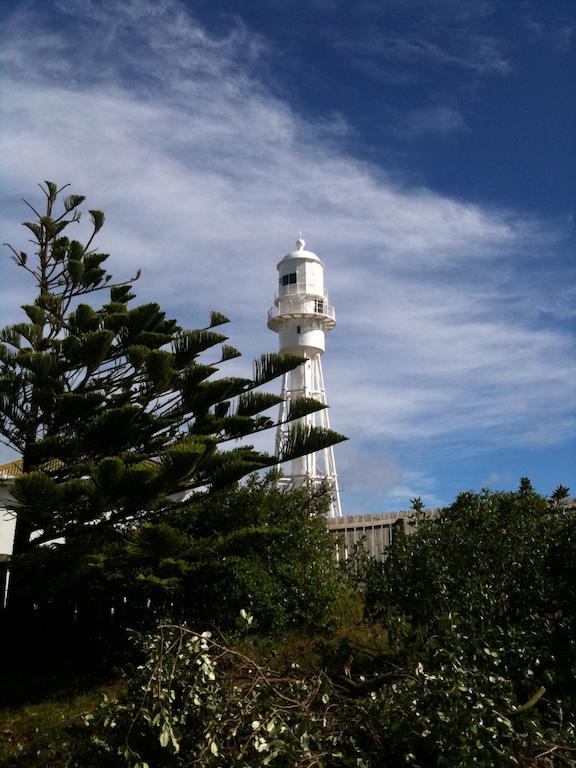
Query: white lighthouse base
{"type": "Point", "coordinates": [314, 468]}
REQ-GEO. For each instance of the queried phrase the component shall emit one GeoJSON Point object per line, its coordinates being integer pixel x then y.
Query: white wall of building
{"type": "Point", "coordinates": [6, 523]}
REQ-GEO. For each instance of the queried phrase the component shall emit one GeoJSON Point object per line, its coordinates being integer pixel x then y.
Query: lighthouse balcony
{"type": "Point", "coordinates": [300, 288]}
{"type": "Point", "coordinates": [302, 308]}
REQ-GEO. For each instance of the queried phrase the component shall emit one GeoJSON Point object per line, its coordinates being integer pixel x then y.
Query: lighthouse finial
{"type": "Point", "coordinates": [300, 243]}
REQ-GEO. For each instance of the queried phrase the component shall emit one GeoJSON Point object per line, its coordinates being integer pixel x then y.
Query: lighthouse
{"type": "Point", "coordinates": [301, 315]}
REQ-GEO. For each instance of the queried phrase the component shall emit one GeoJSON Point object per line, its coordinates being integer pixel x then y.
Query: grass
{"type": "Point", "coordinates": [51, 734]}
{"type": "Point", "coordinates": [44, 726]}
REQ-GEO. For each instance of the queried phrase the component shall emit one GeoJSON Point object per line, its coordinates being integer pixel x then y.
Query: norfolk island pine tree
{"type": "Point", "coordinates": [111, 408]}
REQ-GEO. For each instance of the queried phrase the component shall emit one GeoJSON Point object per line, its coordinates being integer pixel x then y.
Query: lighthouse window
{"type": "Point", "coordinates": [289, 279]}
{"type": "Point", "coordinates": [297, 329]}
{"type": "Point", "coordinates": [319, 306]}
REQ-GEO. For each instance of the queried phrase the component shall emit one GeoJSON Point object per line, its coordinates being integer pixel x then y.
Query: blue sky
{"type": "Point", "coordinates": [426, 151]}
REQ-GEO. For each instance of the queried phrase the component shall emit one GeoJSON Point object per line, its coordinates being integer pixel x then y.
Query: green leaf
{"type": "Point", "coordinates": [75, 271]}
{"type": "Point", "coordinates": [251, 403]}
{"type": "Point", "coordinates": [303, 439]}
{"type": "Point", "coordinates": [92, 260]}
{"type": "Point", "coordinates": [27, 331]}
{"type": "Point", "coordinates": [270, 366]}
{"type": "Point", "coordinates": [180, 460]}
{"type": "Point", "coordinates": [229, 352]}
{"type": "Point", "coordinates": [114, 429]}
{"type": "Point", "coordinates": [84, 318]}
{"type": "Point", "coordinates": [53, 228]}
{"type": "Point", "coordinates": [137, 355]}
{"type": "Point", "coordinates": [302, 406]}
{"type": "Point", "coordinates": [115, 307]}
{"type": "Point", "coordinates": [10, 335]}
{"type": "Point", "coordinates": [116, 321]}
{"type": "Point", "coordinates": [97, 219]}
{"type": "Point", "coordinates": [95, 347]}
{"type": "Point", "coordinates": [159, 368]}
{"type": "Point", "coordinates": [146, 317]}
{"type": "Point", "coordinates": [50, 302]}
{"type": "Point", "coordinates": [74, 406]}
{"type": "Point", "coordinates": [9, 357]}
{"type": "Point", "coordinates": [36, 229]}
{"type": "Point", "coordinates": [188, 344]}
{"type": "Point", "coordinates": [75, 251]}
{"type": "Point", "coordinates": [72, 348]}
{"type": "Point", "coordinates": [221, 409]}
{"type": "Point", "coordinates": [210, 392]}
{"type": "Point", "coordinates": [121, 293]}
{"type": "Point", "coordinates": [52, 190]}
{"type": "Point", "coordinates": [235, 468]}
{"type": "Point", "coordinates": [109, 473]}
{"type": "Point", "coordinates": [35, 313]}
{"type": "Point", "coordinates": [192, 377]}
{"type": "Point", "coordinates": [73, 201]}
{"type": "Point", "coordinates": [152, 339]}
{"type": "Point", "coordinates": [44, 365]}
{"type": "Point", "coordinates": [35, 489]}
{"type": "Point", "coordinates": [217, 318]}
{"type": "Point", "coordinates": [238, 426]}
{"type": "Point", "coordinates": [55, 447]}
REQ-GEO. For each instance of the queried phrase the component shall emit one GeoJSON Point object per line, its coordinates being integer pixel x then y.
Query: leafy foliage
{"type": "Point", "coordinates": [250, 547]}
{"type": "Point", "coordinates": [199, 701]}
{"type": "Point", "coordinates": [478, 611]}
{"type": "Point", "coordinates": [490, 557]}
{"type": "Point", "coordinates": [484, 594]}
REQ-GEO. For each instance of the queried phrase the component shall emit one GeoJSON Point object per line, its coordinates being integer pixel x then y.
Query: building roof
{"type": "Point", "coordinates": [12, 469]}
{"type": "Point", "coordinates": [300, 253]}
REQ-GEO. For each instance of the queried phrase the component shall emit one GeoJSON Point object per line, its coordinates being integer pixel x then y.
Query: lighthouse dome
{"type": "Point", "coordinates": [301, 253]}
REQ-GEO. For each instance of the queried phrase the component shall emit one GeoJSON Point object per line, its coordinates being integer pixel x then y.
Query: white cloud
{"type": "Point", "coordinates": [476, 52]}
{"type": "Point", "coordinates": [439, 120]}
{"type": "Point", "coordinates": [206, 177]}
{"type": "Point", "coordinates": [415, 485]}
{"type": "Point", "coordinates": [365, 470]}
{"type": "Point", "coordinates": [402, 41]}
{"type": "Point", "coordinates": [500, 480]}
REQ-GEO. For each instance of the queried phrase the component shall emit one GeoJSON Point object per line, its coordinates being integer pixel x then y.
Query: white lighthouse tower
{"type": "Point", "coordinates": [301, 315]}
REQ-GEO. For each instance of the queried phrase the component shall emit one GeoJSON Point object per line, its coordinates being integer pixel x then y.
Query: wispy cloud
{"type": "Point", "coordinates": [438, 120]}
{"type": "Point", "coordinates": [556, 29]}
{"type": "Point", "coordinates": [207, 177]}
{"type": "Point", "coordinates": [415, 484]}
{"type": "Point", "coordinates": [368, 470]}
{"type": "Point", "coordinates": [402, 40]}
{"type": "Point", "coordinates": [478, 53]}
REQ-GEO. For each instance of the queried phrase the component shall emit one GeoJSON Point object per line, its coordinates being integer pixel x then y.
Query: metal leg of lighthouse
{"type": "Point", "coordinates": [308, 381]}
{"type": "Point", "coordinates": [328, 453]}
{"type": "Point", "coordinates": [282, 416]}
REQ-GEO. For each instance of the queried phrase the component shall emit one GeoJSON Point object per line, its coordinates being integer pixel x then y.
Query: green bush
{"type": "Point", "coordinates": [251, 547]}
{"type": "Point", "coordinates": [467, 659]}
{"type": "Point", "coordinates": [198, 700]}
{"type": "Point", "coordinates": [484, 595]}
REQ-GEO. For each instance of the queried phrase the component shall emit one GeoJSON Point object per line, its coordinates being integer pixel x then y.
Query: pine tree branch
{"type": "Point", "coordinates": [31, 208]}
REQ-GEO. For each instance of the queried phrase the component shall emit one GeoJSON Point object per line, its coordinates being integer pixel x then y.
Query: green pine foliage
{"type": "Point", "coordinates": [251, 547]}
{"type": "Point", "coordinates": [114, 408]}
